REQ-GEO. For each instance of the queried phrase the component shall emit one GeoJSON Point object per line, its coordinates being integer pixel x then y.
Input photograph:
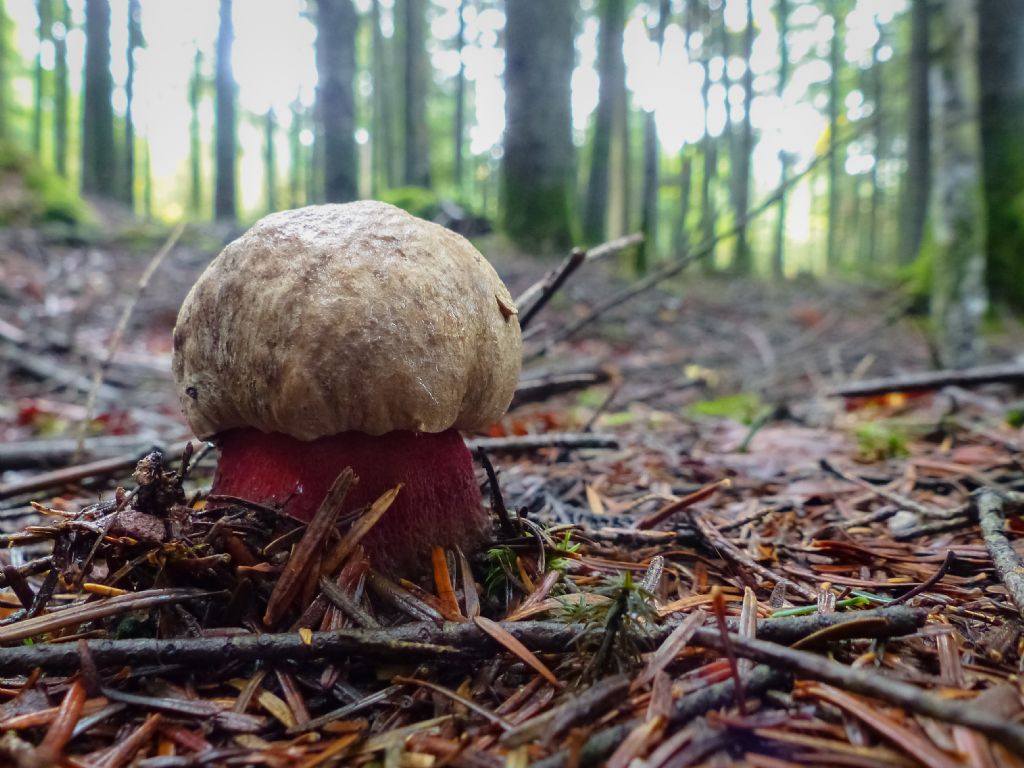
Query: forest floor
{"type": "Point", "coordinates": [710, 557]}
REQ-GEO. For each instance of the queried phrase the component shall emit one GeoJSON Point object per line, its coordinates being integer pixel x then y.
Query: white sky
{"type": "Point", "coordinates": [274, 65]}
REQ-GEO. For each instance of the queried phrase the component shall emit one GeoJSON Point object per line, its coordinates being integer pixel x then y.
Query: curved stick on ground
{"type": "Point", "coordinates": [991, 518]}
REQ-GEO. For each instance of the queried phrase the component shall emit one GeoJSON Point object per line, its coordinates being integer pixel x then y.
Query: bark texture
{"type": "Point", "coordinates": [538, 163]}
{"type": "Point", "coordinates": [224, 204]}
{"type": "Point", "coordinates": [98, 173]}
{"type": "Point", "coordinates": [336, 71]}
{"type": "Point", "coordinates": [958, 211]}
{"type": "Point", "coordinates": [417, 83]}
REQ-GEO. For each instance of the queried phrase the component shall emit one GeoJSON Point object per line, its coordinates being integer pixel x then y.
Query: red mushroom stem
{"type": "Point", "coordinates": [439, 503]}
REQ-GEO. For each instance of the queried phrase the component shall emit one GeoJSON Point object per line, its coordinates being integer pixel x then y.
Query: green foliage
{"type": "Point", "coordinates": [567, 545]}
{"type": "Point", "coordinates": [1015, 417]}
{"type": "Point", "coordinates": [32, 194]}
{"type": "Point", "coordinates": [879, 440]}
{"type": "Point", "coordinates": [744, 407]}
{"type": "Point", "coordinates": [418, 201]}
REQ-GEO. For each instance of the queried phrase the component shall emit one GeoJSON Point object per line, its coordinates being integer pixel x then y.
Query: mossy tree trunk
{"type": "Point", "coordinates": [296, 157]}
{"type": "Point", "coordinates": [270, 158]}
{"type": "Point", "coordinates": [958, 211]}
{"type": "Point", "coordinates": [336, 106]}
{"type": "Point", "coordinates": [917, 180]}
{"type": "Point", "coordinates": [44, 9]}
{"type": "Point", "coordinates": [611, 69]}
{"type": "Point", "coordinates": [834, 59]}
{"type": "Point", "coordinates": [538, 165]}
{"type": "Point", "coordinates": [1001, 62]}
{"type": "Point", "coordinates": [709, 156]}
{"type": "Point", "coordinates": [98, 173]}
{"type": "Point", "coordinates": [224, 200]}
{"type": "Point", "coordinates": [417, 83]}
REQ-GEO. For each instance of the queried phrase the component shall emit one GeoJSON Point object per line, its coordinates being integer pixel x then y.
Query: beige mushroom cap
{"type": "Point", "coordinates": [346, 317]}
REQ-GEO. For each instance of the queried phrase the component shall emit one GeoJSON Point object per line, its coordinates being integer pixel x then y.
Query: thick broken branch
{"type": "Point", "coordinates": [928, 380]}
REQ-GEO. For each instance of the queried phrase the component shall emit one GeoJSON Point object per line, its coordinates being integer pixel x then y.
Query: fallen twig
{"type": "Point", "coordinates": [927, 380]}
{"type": "Point", "coordinates": [522, 443]}
{"type": "Point", "coordinates": [991, 518]}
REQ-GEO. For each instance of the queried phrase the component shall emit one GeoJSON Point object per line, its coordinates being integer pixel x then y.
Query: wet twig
{"type": "Point", "coordinates": [992, 519]}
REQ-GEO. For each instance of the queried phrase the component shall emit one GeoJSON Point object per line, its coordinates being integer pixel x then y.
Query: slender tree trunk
{"type": "Point", "coordinates": [417, 83]}
{"type": "Point", "coordinates": [1002, 132]}
{"type": "Point", "coordinates": [295, 157]}
{"type": "Point", "coordinates": [44, 9]}
{"type": "Point", "coordinates": [875, 79]}
{"type": "Point", "coordinates": [134, 41]}
{"type": "Point", "coordinates": [60, 93]}
{"type": "Point", "coordinates": [958, 211]}
{"type": "Point", "coordinates": [336, 106]}
{"type": "Point", "coordinates": [742, 259]}
{"type": "Point", "coordinates": [779, 255]}
{"type": "Point", "coordinates": [224, 202]}
{"type": "Point", "coordinates": [270, 158]}
{"type": "Point", "coordinates": [98, 176]}
{"type": "Point", "coordinates": [537, 165]}
{"type": "Point", "coordinates": [831, 250]}
{"type": "Point", "coordinates": [611, 68]}
{"type": "Point", "coordinates": [460, 97]}
{"type": "Point", "coordinates": [195, 92]}
{"type": "Point", "coordinates": [649, 209]}
{"type": "Point", "coordinates": [917, 182]}
{"type": "Point", "coordinates": [728, 132]}
{"type": "Point", "coordinates": [709, 153]}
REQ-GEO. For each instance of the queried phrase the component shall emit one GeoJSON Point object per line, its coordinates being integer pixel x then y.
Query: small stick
{"type": "Point", "coordinates": [927, 380]}
{"type": "Point", "coordinates": [60, 477]}
{"type": "Point", "coordinates": [497, 500]}
{"type": "Point", "coordinates": [934, 579]}
{"type": "Point", "coordinates": [525, 443]}
{"type": "Point", "coordinates": [885, 493]}
{"type": "Point", "coordinates": [709, 490]}
{"type": "Point", "coordinates": [991, 517]}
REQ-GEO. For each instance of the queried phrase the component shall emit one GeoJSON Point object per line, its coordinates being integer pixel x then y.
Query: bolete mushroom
{"type": "Point", "coordinates": [357, 336]}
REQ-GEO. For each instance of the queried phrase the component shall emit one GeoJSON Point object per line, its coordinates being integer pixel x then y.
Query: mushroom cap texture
{"type": "Point", "coordinates": [346, 317]}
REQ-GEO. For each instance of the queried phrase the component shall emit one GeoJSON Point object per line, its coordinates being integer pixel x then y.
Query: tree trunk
{"type": "Point", "coordinates": [460, 98]}
{"type": "Point", "coordinates": [195, 145]}
{"type": "Point", "coordinates": [709, 152]}
{"type": "Point", "coordinates": [831, 250]}
{"type": "Point", "coordinates": [296, 157]}
{"type": "Point", "coordinates": [742, 259]}
{"type": "Point", "coordinates": [270, 158]}
{"type": "Point", "coordinates": [917, 181]}
{"type": "Point", "coordinates": [875, 80]}
{"type": "Point", "coordinates": [147, 182]}
{"type": "Point", "coordinates": [224, 204]}
{"type": "Point", "coordinates": [1002, 117]}
{"type": "Point", "coordinates": [537, 165]}
{"type": "Point", "coordinates": [779, 255]}
{"type": "Point", "coordinates": [336, 107]}
{"type": "Point", "coordinates": [60, 93]}
{"type": "Point", "coordinates": [98, 176]}
{"type": "Point", "coordinates": [611, 69]}
{"type": "Point", "coordinates": [417, 83]}
{"type": "Point", "coordinates": [134, 41]}
{"type": "Point", "coordinates": [44, 9]}
{"type": "Point", "coordinates": [958, 215]}
{"type": "Point", "coordinates": [649, 210]}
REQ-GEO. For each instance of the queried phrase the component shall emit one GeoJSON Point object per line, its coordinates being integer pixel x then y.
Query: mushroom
{"type": "Point", "coordinates": [357, 336]}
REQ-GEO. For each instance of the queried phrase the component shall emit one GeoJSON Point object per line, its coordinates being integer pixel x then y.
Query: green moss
{"type": "Point", "coordinates": [744, 407]}
{"type": "Point", "coordinates": [878, 440]}
{"type": "Point", "coordinates": [418, 201]}
{"type": "Point", "coordinates": [33, 195]}
{"type": "Point", "coordinates": [538, 217]}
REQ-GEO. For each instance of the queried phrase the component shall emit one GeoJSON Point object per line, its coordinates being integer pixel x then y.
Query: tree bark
{"type": "Point", "coordinates": [779, 254]}
{"type": "Point", "coordinates": [384, 172]}
{"type": "Point", "coordinates": [709, 145]}
{"type": "Point", "coordinates": [831, 249]}
{"type": "Point", "coordinates": [44, 9]}
{"type": "Point", "coordinates": [742, 260]}
{"type": "Point", "coordinates": [417, 83]}
{"type": "Point", "coordinates": [98, 177]}
{"type": "Point", "coordinates": [60, 93]}
{"type": "Point", "coordinates": [611, 69]}
{"type": "Point", "coordinates": [917, 181]}
{"type": "Point", "coordinates": [134, 41]}
{"type": "Point", "coordinates": [460, 98]}
{"type": "Point", "coordinates": [1001, 62]}
{"type": "Point", "coordinates": [270, 158]}
{"type": "Point", "coordinates": [336, 107]}
{"type": "Point", "coordinates": [224, 202]}
{"type": "Point", "coordinates": [875, 80]}
{"type": "Point", "coordinates": [649, 209]}
{"type": "Point", "coordinates": [958, 215]}
{"type": "Point", "coordinates": [538, 162]}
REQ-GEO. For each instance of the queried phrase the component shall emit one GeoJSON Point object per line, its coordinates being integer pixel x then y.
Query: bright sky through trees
{"type": "Point", "coordinates": [274, 65]}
